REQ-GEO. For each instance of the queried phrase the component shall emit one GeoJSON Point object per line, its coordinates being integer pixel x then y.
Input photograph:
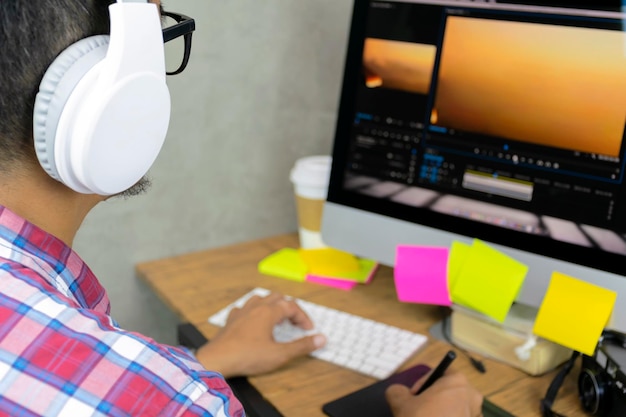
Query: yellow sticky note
{"type": "Point", "coordinates": [573, 313]}
{"type": "Point", "coordinates": [329, 262]}
{"type": "Point", "coordinates": [458, 255]}
{"type": "Point", "coordinates": [488, 281]}
{"type": "Point", "coordinates": [285, 263]}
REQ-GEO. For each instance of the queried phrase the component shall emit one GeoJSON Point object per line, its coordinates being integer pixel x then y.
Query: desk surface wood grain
{"type": "Point", "coordinates": [198, 284]}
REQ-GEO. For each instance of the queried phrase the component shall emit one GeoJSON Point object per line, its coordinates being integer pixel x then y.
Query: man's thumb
{"type": "Point", "coordinates": [397, 395]}
{"type": "Point", "coordinates": [306, 345]}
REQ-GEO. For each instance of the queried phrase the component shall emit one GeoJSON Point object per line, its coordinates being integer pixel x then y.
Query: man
{"type": "Point", "coordinates": [61, 353]}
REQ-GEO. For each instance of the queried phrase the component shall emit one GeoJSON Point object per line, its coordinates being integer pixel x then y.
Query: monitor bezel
{"type": "Point", "coordinates": [337, 194]}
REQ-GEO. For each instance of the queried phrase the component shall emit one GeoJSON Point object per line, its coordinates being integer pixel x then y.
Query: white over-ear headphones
{"type": "Point", "coordinates": [103, 107]}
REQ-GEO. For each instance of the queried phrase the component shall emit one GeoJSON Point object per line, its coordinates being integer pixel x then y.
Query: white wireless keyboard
{"type": "Point", "coordinates": [363, 345]}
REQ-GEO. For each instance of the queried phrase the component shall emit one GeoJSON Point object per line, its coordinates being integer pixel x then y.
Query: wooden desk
{"type": "Point", "coordinates": [197, 285]}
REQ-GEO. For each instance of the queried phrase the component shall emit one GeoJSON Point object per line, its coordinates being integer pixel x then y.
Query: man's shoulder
{"type": "Point", "coordinates": [16, 278]}
{"type": "Point", "coordinates": [47, 337]}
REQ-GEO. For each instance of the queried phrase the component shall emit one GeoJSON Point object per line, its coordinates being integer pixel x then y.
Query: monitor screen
{"type": "Point", "coordinates": [502, 121]}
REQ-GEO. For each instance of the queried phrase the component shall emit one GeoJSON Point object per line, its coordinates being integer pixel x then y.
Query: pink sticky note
{"type": "Point", "coordinates": [341, 284]}
{"type": "Point", "coordinates": [421, 275]}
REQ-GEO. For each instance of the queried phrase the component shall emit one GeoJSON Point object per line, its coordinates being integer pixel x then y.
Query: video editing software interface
{"type": "Point", "coordinates": [510, 115]}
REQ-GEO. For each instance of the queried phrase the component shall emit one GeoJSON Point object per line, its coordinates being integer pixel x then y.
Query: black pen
{"type": "Point", "coordinates": [438, 372]}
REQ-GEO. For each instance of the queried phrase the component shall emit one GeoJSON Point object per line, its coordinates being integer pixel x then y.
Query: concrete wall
{"type": "Point", "coordinates": [261, 90]}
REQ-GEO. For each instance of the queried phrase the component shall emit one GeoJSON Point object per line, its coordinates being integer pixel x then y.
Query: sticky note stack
{"type": "Point", "coordinates": [475, 276]}
{"type": "Point", "coordinates": [481, 285]}
{"type": "Point", "coordinates": [487, 280]}
{"type": "Point", "coordinates": [324, 266]}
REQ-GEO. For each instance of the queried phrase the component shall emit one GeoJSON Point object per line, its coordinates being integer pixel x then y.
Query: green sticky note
{"type": "Point", "coordinates": [573, 313]}
{"type": "Point", "coordinates": [457, 257]}
{"type": "Point", "coordinates": [488, 281]}
{"type": "Point", "coordinates": [285, 263]}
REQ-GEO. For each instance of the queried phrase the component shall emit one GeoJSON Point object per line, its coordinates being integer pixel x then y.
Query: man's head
{"type": "Point", "coordinates": [31, 37]}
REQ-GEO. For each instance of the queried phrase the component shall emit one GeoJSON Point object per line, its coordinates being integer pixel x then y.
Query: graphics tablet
{"type": "Point", "coordinates": [370, 401]}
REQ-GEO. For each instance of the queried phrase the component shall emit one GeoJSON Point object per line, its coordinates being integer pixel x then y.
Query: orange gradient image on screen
{"type": "Point", "coordinates": [398, 65]}
{"type": "Point", "coordinates": [557, 86]}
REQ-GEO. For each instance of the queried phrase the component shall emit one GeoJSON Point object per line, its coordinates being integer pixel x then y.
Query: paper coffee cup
{"type": "Point", "coordinates": [310, 177]}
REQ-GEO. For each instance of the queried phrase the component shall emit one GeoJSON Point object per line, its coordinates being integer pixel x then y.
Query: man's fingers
{"type": "Point", "coordinates": [304, 345]}
{"type": "Point", "coordinates": [279, 307]}
{"type": "Point", "coordinates": [290, 310]}
{"type": "Point", "coordinates": [421, 380]}
{"type": "Point", "coordinates": [477, 404]}
{"type": "Point", "coordinates": [453, 378]}
{"type": "Point", "coordinates": [272, 297]}
{"type": "Point", "coordinates": [397, 395]}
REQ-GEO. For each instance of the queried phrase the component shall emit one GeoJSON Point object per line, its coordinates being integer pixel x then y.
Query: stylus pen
{"type": "Point", "coordinates": [438, 372]}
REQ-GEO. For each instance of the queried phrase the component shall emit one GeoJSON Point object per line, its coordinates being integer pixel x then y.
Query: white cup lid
{"type": "Point", "coordinates": [312, 171]}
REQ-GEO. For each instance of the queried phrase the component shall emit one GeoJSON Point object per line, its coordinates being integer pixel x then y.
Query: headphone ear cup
{"type": "Point", "coordinates": [57, 85]}
{"type": "Point", "coordinates": [103, 109]}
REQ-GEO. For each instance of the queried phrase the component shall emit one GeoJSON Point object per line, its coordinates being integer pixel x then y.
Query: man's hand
{"type": "Point", "coordinates": [245, 346]}
{"type": "Point", "coordinates": [450, 396]}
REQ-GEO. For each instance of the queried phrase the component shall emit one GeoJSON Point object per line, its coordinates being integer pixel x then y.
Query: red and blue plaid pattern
{"type": "Point", "coordinates": [61, 354]}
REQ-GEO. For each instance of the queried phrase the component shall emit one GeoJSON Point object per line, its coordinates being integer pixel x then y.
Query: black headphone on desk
{"type": "Point", "coordinates": [597, 390]}
{"type": "Point", "coordinates": [103, 107]}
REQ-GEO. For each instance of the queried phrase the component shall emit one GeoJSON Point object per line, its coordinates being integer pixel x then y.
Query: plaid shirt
{"type": "Point", "coordinates": [62, 354]}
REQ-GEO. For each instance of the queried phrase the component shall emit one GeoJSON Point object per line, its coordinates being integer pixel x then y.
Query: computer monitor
{"type": "Point", "coordinates": [500, 121]}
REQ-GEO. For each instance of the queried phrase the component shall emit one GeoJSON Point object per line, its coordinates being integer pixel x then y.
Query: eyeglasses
{"type": "Point", "coordinates": [177, 52]}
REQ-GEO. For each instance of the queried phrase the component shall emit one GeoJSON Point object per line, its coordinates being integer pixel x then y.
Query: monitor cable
{"type": "Point", "coordinates": [476, 363]}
